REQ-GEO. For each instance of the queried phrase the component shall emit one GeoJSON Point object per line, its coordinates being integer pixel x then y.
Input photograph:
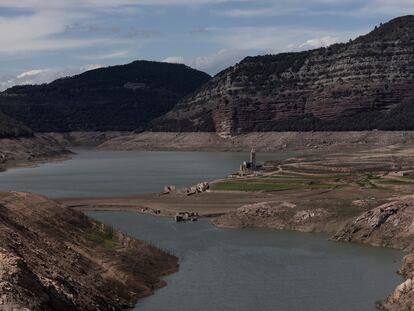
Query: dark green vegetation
{"type": "Point", "coordinates": [116, 98]}
{"type": "Point", "coordinates": [10, 128]}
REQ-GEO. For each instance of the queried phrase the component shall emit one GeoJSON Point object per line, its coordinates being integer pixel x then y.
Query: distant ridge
{"type": "Point", "coordinates": [119, 98]}
{"type": "Point", "coordinates": [367, 83]}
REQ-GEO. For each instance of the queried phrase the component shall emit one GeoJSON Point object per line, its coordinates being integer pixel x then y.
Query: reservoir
{"type": "Point", "coordinates": [220, 269]}
{"type": "Point", "coordinates": [244, 270]}
{"type": "Point", "coordinates": [93, 173]}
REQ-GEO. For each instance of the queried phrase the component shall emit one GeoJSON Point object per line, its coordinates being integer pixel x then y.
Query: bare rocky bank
{"type": "Point", "coordinates": [205, 141]}
{"type": "Point", "coordinates": [54, 258]}
{"type": "Point", "coordinates": [55, 144]}
{"type": "Point", "coordinates": [29, 150]}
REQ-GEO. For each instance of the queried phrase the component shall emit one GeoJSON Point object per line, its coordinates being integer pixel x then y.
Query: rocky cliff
{"type": "Point", "coordinates": [121, 98]}
{"type": "Point", "coordinates": [53, 258]}
{"type": "Point", "coordinates": [366, 83]}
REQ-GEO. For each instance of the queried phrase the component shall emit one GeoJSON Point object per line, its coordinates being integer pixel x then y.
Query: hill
{"type": "Point", "coordinates": [119, 98]}
{"type": "Point", "coordinates": [54, 258]}
{"type": "Point", "coordinates": [365, 84]}
{"type": "Point", "coordinates": [10, 128]}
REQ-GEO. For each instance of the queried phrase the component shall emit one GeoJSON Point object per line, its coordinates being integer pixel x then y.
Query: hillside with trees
{"type": "Point", "coordinates": [118, 98]}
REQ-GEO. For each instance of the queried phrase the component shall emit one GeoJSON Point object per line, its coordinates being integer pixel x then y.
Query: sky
{"type": "Point", "coordinates": [41, 40]}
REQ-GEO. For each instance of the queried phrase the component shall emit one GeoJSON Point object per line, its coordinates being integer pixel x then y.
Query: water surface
{"type": "Point", "coordinates": [93, 173]}
{"type": "Point", "coordinates": [227, 270]}
{"type": "Point", "coordinates": [244, 270]}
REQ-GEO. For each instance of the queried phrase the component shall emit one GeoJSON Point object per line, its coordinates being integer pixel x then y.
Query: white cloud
{"type": "Point", "coordinates": [248, 12]}
{"type": "Point", "coordinates": [259, 41]}
{"type": "Point", "coordinates": [109, 55]}
{"type": "Point", "coordinates": [65, 4]}
{"type": "Point", "coordinates": [387, 8]}
{"type": "Point", "coordinates": [319, 42]}
{"type": "Point", "coordinates": [174, 60]}
{"type": "Point", "coordinates": [213, 63]}
{"type": "Point", "coordinates": [40, 32]}
{"type": "Point", "coordinates": [390, 8]}
{"type": "Point", "coordinates": [279, 38]}
{"type": "Point", "coordinates": [44, 75]}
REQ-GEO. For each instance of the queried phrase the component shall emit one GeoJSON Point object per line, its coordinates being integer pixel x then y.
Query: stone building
{"type": "Point", "coordinates": [249, 166]}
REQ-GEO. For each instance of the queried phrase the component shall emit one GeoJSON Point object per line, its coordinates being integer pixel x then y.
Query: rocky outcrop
{"type": "Point", "coordinates": [277, 215]}
{"type": "Point", "coordinates": [401, 299]}
{"type": "Point", "coordinates": [390, 225]}
{"type": "Point", "coordinates": [54, 258]}
{"type": "Point", "coordinates": [366, 83]}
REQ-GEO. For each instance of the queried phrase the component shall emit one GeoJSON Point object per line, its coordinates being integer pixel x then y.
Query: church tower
{"type": "Point", "coordinates": [253, 159]}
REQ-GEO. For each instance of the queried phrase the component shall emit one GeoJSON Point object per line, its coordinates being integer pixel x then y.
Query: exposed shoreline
{"type": "Point", "coordinates": [30, 151]}
{"type": "Point", "coordinates": [45, 146]}
{"type": "Point", "coordinates": [54, 258]}
{"type": "Point", "coordinates": [282, 210]}
{"type": "Point", "coordinates": [340, 200]}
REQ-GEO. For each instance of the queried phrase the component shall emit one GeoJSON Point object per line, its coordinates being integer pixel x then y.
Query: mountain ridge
{"type": "Point", "coordinates": [122, 98]}
{"type": "Point", "coordinates": [364, 84]}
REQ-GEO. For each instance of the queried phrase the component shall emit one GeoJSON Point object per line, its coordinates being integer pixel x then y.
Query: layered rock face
{"type": "Point", "coordinates": [364, 84]}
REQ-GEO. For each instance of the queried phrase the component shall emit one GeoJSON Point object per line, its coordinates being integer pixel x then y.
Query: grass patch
{"type": "Point", "coordinates": [397, 182]}
{"type": "Point", "coordinates": [103, 236]}
{"type": "Point", "coordinates": [267, 186]}
{"type": "Point", "coordinates": [250, 186]}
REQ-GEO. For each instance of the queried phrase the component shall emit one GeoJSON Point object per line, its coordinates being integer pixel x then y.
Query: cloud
{"type": "Point", "coordinates": [109, 55]}
{"type": "Point", "coordinates": [175, 60]}
{"type": "Point", "coordinates": [104, 30]}
{"type": "Point", "coordinates": [65, 4]}
{"type": "Point", "coordinates": [387, 8]}
{"type": "Point", "coordinates": [213, 63]}
{"type": "Point", "coordinates": [259, 41]}
{"type": "Point", "coordinates": [40, 31]}
{"type": "Point", "coordinates": [319, 42]}
{"type": "Point", "coordinates": [369, 8]}
{"type": "Point", "coordinates": [45, 75]}
{"type": "Point", "coordinates": [279, 38]}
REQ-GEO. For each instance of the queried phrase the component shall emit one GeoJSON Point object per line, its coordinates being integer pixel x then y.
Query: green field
{"type": "Point", "coordinates": [267, 184]}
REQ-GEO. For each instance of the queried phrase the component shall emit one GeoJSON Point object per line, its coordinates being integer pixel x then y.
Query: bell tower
{"type": "Point", "coordinates": [253, 159]}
